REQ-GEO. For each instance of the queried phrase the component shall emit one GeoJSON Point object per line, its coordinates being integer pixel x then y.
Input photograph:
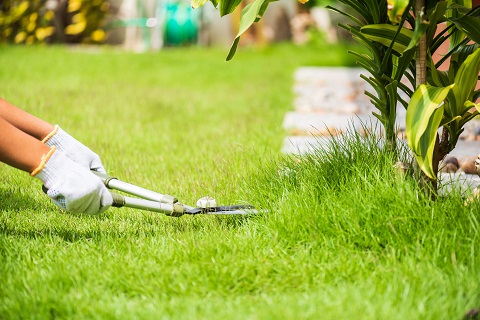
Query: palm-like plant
{"type": "Point", "coordinates": [401, 37]}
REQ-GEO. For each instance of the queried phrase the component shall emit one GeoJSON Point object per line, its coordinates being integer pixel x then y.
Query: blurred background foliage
{"type": "Point", "coordinates": [50, 21]}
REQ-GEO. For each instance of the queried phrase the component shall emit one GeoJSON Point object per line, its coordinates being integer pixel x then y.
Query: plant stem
{"type": "Point", "coordinates": [421, 62]}
{"type": "Point", "coordinates": [430, 185]}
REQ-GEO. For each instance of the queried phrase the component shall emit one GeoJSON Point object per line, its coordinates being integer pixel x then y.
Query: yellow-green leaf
{"type": "Point", "coordinates": [466, 79]}
{"type": "Point", "coordinates": [74, 5]}
{"type": "Point", "coordinates": [424, 115]}
{"type": "Point", "coordinates": [385, 33]}
{"type": "Point", "coordinates": [396, 8]}
{"type": "Point", "coordinates": [77, 28]}
{"type": "Point", "coordinates": [197, 3]}
{"type": "Point", "coordinates": [249, 15]}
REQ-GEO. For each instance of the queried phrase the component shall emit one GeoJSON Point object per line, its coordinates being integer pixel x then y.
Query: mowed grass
{"type": "Point", "coordinates": [344, 238]}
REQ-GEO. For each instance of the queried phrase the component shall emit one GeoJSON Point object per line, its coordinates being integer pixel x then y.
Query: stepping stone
{"type": "Point", "coordinates": [332, 89]}
{"type": "Point", "coordinates": [322, 123]}
{"type": "Point", "coordinates": [466, 148]}
{"type": "Point", "coordinates": [299, 145]}
{"type": "Point", "coordinates": [465, 183]}
{"type": "Point", "coordinates": [302, 123]}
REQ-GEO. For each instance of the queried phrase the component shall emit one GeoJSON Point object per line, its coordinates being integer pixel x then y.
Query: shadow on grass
{"type": "Point", "coordinates": [17, 201]}
{"type": "Point", "coordinates": [30, 217]}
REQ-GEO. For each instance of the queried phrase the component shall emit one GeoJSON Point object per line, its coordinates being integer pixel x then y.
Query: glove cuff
{"type": "Point", "coordinates": [59, 138]}
{"type": "Point", "coordinates": [51, 168]}
{"type": "Point", "coordinates": [43, 161]}
{"type": "Point", "coordinates": [51, 134]}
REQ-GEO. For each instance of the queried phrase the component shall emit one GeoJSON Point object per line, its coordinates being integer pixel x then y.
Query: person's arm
{"type": "Point", "coordinates": [19, 149]}
{"type": "Point", "coordinates": [71, 185]}
{"type": "Point", "coordinates": [24, 121]}
{"type": "Point", "coordinates": [52, 136]}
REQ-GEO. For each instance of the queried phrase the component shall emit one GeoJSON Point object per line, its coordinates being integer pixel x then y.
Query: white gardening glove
{"type": "Point", "coordinates": [74, 149]}
{"type": "Point", "coordinates": [72, 187]}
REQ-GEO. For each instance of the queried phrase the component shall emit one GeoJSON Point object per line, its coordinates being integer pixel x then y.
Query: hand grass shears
{"type": "Point", "coordinates": [154, 201]}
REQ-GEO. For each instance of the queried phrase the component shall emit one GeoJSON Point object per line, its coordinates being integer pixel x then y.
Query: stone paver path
{"type": "Point", "coordinates": [332, 99]}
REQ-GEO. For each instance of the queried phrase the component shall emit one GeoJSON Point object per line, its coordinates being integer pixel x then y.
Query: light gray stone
{"type": "Point", "coordinates": [465, 183]}
{"type": "Point", "coordinates": [323, 123]}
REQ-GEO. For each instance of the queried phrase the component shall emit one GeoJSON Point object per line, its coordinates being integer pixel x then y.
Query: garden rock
{"type": "Point", "coordinates": [467, 164]}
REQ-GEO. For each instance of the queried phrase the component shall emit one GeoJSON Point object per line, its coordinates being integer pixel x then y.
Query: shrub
{"type": "Point", "coordinates": [75, 21]}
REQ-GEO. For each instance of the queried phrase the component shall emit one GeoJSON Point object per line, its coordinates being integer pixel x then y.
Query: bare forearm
{"type": "Point", "coordinates": [19, 149]}
{"type": "Point", "coordinates": [24, 121]}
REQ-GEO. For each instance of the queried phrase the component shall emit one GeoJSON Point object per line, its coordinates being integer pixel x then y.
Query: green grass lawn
{"type": "Point", "coordinates": [345, 238]}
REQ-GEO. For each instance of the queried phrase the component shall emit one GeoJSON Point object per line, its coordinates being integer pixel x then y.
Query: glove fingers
{"type": "Point", "coordinates": [57, 198]}
{"type": "Point", "coordinates": [90, 206]}
{"type": "Point", "coordinates": [97, 167]}
{"type": "Point", "coordinates": [80, 197]}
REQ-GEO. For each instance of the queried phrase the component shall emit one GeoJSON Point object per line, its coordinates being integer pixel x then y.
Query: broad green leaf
{"type": "Point", "coordinates": [385, 33]}
{"type": "Point", "coordinates": [197, 3]}
{"type": "Point", "coordinates": [263, 8]}
{"type": "Point", "coordinates": [249, 15]}
{"type": "Point", "coordinates": [424, 114]}
{"type": "Point", "coordinates": [420, 29]}
{"type": "Point", "coordinates": [233, 49]}
{"type": "Point", "coordinates": [469, 104]}
{"type": "Point", "coordinates": [470, 26]}
{"type": "Point", "coordinates": [453, 13]}
{"type": "Point", "coordinates": [446, 121]}
{"type": "Point", "coordinates": [434, 16]}
{"type": "Point", "coordinates": [465, 81]}
{"type": "Point", "coordinates": [463, 52]}
{"type": "Point", "coordinates": [228, 6]}
{"type": "Point", "coordinates": [423, 103]}
{"type": "Point", "coordinates": [436, 77]}
{"type": "Point", "coordinates": [427, 143]}
{"type": "Point", "coordinates": [395, 10]}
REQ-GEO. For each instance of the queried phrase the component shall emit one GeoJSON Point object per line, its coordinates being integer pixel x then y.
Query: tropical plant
{"type": "Point", "coordinates": [84, 19]}
{"type": "Point", "coordinates": [25, 22]}
{"type": "Point", "coordinates": [401, 37]}
{"type": "Point", "coordinates": [29, 22]}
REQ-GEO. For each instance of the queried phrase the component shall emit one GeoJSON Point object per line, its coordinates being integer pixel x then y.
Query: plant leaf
{"type": "Point", "coordinates": [395, 11]}
{"type": "Point", "coordinates": [424, 114]}
{"type": "Point", "coordinates": [233, 49]}
{"type": "Point", "coordinates": [434, 16]}
{"type": "Point", "coordinates": [427, 143]}
{"type": "Point", "coordinates": [470, 26]}
{"type": "Point", "coordinates": [453, 12]}
{"type": "Point", "coordinates": [228, 6]}
{"type": "Point", "coordinates": [385, 33]}
{"type": "Point", "coordinates": [466, 79]}
{"type": "Point", "coordinates": [197, 3]}
{"type": "Point", "coordinates": [419, 30]}
{"type": "Point", "coordinates": [249, 15]}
